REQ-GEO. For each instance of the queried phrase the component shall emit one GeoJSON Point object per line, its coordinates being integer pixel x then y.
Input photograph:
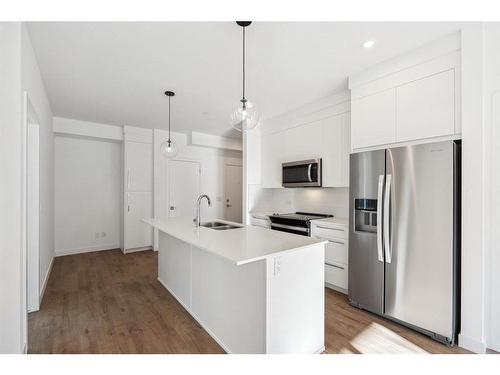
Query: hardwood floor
{"type": "Point", "coordinates": [107, 302]}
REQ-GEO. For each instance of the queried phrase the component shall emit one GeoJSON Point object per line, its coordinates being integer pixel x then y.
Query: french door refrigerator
{"type": "Point", "coordinates": [404, 240]}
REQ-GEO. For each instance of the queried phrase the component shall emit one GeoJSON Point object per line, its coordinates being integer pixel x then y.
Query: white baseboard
{"type": "Point", "coordinates": [81, 250]}
{"type": "Point", "coordinates": [471, 344]}
{"type": "Point", "coordinates": [137, 249]}
{"type": "Point", "coordinates": [45, 281]}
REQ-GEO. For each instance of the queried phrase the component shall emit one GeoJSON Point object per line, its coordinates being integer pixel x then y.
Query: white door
{"type": "Point", "coordinates": [233, 193]}
{"type": "Point", "coordinates": [139, 205]}
{"type": "Point", "coordinates": [184, 188]}
{"type": "Point", "coordinates": [33, 217]}
{"type": "Point", "coordinates": [139, 166]}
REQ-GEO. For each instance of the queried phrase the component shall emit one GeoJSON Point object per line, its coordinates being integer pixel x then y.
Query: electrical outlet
{"type": "Point", "coordinates": [103, 234]}
{"type": "Point", "coordinates": [277, 266]}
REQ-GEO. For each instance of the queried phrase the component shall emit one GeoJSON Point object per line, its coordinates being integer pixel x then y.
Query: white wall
{"type": "Point", "coordinates": [212, 163]}
{"type": "Point", "coordinates": [473, 174]}
{"type": "Point", "coordinates": [492, 153]}
{"type": "Point", "coordinates": [31, 82]}
{"type": "Point", "coordinates": [87, 194]}
{"type": "Point", "coordinates": [11, 311]}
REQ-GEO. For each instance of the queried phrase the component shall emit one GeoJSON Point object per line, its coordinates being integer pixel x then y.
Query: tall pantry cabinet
{"type": "Point", "coordinates": [137, 188]}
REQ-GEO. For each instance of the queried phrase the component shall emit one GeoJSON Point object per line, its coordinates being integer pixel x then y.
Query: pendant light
{"type": "Point", "coordinates": [169, 148]}
{"type": "Point", "coordinates": [244, 117]}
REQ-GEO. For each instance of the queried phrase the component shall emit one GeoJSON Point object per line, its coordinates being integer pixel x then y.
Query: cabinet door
{"type": "Point", "coordinates": [426, 108]}
{"type": "Point", "coordinates": [373, 120]}
{"type": "Point", "coordinates": [138, 206]}
{"type": "Point", "coordinates": [336, 151]}
{"type": "Point", "coordinates": [138, 166]}
{"type": "Point", "coordinates": [302, 142]}
{"type": "Point", "coordinates": [271, 164]}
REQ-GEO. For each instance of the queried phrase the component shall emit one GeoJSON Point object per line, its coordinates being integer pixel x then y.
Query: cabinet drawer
{"type": "Point", "coordinates": [336, 251]}
{"type": "Point", "coordinates": [336, 275]}
{"type": "Point", "coordinates": [329, 233]}
{"type": "Point", "coordinates": [260, 222]}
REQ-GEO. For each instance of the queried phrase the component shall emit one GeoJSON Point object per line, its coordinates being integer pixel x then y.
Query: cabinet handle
{"type": "Point", "coordinates": [334, 265]}
{"type": "Point", "coordinates": [339, 242]}
{"type": "Point", "coordinates": [328, 228]}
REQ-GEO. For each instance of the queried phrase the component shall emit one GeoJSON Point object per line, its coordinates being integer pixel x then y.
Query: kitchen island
{"type": "Point", "coordinates": [254, 290]}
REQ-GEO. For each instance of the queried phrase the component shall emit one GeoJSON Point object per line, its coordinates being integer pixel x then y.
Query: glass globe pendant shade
{"type": "Point", "coordinates": [245, 117]}
{"type": "Point", "coordinates": [169, 149]}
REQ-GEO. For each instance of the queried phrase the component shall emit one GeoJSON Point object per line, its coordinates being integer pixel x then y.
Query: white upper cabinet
{"type": "Point", "coordinates": [271, 164]}
{"type": "Point", "coordinates": [326, 138]}
{"type": "Point", "coordinates": [373, 119]}
{"type": "Point", "coordinates": [426, 107]}
{"type": "Point", "coordinates": [412, 98]}
{"type": "Point", "coordinates": [336, 150]}
{"type": "Point", "coordinates": [138, 166]}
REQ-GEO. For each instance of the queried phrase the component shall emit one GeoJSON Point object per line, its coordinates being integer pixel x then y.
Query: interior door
{"type": "Point", "coordinates": [419, 241]}
{"type": "Point", "coordinates": [366, 266]}
{"type": "Point", "coordinates": [233, 193]}
{"type": "Point", "coordinates": [184, 188]}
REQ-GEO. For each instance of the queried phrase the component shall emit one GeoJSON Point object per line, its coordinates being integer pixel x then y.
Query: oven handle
{"type": "Point", "coordinates": [299, 229]}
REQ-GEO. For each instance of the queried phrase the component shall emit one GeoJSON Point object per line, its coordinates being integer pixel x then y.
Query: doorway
{"type": "Point", "coordinates": [183, 187]}
{"type": "Point", "coordinates": [233, 193]}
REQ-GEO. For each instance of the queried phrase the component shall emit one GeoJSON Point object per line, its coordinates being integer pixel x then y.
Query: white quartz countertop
{"type": "Point", "coordinates": [241, 245]}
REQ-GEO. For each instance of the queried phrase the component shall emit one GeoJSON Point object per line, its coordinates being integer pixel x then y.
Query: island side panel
{"type": "Point", "coordinates": [296, 301]}
{"type": "Point", "coordinates": [230, 301]}
{"type": "Point", "coordinates": [174, 267]}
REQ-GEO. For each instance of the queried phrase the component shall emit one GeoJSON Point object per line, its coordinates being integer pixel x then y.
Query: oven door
{"type": "Point", "coordinates": [306, 173]}
{"type": "Point", "coordinates": [290, 229]}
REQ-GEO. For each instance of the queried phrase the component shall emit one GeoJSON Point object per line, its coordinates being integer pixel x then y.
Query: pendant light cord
{"type": "Point", "coordinates": [169, 120]}
{"type": "Point", "coordinates": [244, 103]}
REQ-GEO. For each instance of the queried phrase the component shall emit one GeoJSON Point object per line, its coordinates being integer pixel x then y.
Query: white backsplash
{"type": "Point", "coordinates": [316, 200]}
{"type": "Point", "coordinates": [323, 200]}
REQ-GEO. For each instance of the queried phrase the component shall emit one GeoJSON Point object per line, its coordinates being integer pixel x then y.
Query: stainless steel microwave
{"type": "Point", "coordinates": [305, 173]}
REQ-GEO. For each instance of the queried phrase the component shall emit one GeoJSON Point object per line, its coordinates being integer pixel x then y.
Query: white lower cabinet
{"type": "Point", "coordinates": [336, 276]}
{"type": "Point", "coordinates": [336, 253]}
{"type": "Point", "coordinates": [259, 222]}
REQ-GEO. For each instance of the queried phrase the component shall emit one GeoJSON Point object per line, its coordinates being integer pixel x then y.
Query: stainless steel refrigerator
{"type": "Point", "coordinates": [404, 243]}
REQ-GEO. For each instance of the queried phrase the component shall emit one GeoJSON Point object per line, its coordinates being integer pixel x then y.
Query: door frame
{"type": "Point", "coordinates": [30, 206]}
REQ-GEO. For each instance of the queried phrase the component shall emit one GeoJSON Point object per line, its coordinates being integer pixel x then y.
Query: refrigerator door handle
{"type": "Point", "coordinates": [379, 215]}
{"type": "Point", "coordinates": [387, 219]}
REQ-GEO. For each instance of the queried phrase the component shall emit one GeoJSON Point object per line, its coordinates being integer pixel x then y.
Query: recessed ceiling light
{"type": "Point", "coordinates": [368, 44]}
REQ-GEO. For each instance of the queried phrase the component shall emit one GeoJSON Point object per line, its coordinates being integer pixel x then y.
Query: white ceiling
{"type": "Point", "coordinates": [116, 73]}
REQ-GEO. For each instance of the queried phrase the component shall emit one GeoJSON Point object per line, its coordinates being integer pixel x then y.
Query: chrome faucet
{"type": "Point", "coordinates": [197, 219]}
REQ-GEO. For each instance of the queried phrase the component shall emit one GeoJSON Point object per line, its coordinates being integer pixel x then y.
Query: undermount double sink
{"type": "Point", "coordinates": [218, 225]}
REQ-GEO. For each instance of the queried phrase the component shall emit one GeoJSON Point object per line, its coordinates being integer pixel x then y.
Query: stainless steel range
{"type": "Point", "coordinates": [297, 223]}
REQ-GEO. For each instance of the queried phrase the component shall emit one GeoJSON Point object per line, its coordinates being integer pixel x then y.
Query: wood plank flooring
{"type": "Point", "coordinates": [107, 302]}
